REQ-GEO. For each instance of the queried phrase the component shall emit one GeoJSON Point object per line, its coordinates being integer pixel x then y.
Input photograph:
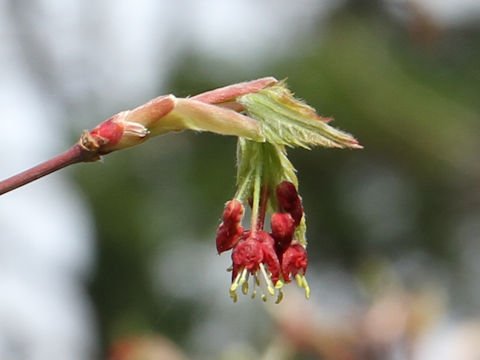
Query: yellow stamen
{"type": "Point", "coordinates": [264, 298]}
{"type": "Point", "coordinates": [279, 284]}
{"type": "Point", "coordinates": [234, 286]}
{"type": "Point", "coordinates": [245, 288]}
{"type": "Point", "coordinates": [306, 287]}
{"type": "Point", "coordinates": [234, 296]}
{"type": "Point", "coordinates": [256, 283]}
{"type": "Point", "coordinates": [280, 297]}
{"type": "Point", "coordinates": [268, 281]}
{"type": "Point", "coordinates": [298, 278]}
{"type": "Point", "coordinates": [257, 280]}
{"type": "Point", "coordinates": [244, 277]}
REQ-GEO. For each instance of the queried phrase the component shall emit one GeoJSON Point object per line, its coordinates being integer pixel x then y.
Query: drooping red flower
{"type": "Point", "coordinates": [290, 201]}
{"type": "Point", "coordinates": [283, 228]}
{"type": "Point", "coordinates": [270, 257]}
{"type": "Point", "coordinates": [230, 230]}
{"type": "Point", "coordinates": [254, 254]}
{"type": "Point", "coordinates": [294, 261]}
{"type": "Point", "coordinates": [247, 255]}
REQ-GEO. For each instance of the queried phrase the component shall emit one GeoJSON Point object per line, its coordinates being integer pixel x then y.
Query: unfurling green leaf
{"type": "Point", "coordinates": [285, 120]}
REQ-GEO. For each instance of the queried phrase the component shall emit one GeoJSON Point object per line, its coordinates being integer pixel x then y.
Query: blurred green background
{"type": "Point", "coordinates": [397, 220]}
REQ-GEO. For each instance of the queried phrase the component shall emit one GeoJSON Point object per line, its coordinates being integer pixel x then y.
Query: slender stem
{"type": "Point", "coordinates": [255, 202]}
{"type": "Point", "coordinates": [73, 155]}
{"type": "Point", "coordinates": [257, 185]}
{"type": "Point", "coordinates": [263, 207]}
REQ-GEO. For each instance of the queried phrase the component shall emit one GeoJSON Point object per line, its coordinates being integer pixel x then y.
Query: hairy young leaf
{"type": "Point", "coordinates": [285, 120]}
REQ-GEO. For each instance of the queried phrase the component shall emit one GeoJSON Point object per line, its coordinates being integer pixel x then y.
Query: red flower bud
{"type": "Point", "coordinates": [289, 200]}
{"type": "Point", "coordinates": [294, 261]}
{"type": "Point", "coordinates": [233, 212]}
{"type": "Point", "coordinates": [110, 131]}
{"type": "Point", "coordinates": [283, 228]}
{"type": "Point", "coordinates": [115, 133]}
{"type": "Point", "coordinates": [230, 230]}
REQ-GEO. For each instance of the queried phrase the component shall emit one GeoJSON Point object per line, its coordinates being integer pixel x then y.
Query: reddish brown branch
{"type": "Point", "coordinates": [73, 155]}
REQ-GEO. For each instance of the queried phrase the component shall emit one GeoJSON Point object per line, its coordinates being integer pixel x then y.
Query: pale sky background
{"type": "Point", "coordinates": [102, 54]}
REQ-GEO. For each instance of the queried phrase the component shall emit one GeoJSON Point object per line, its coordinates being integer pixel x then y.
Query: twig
{"type": "Point", "coordinates": [94, 143]}
{"type": "Point", "coordinates": [73, 155]}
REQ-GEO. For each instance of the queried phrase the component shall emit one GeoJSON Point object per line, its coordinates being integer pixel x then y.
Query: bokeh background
{"type": "Point", "coordinates": [116, 259]}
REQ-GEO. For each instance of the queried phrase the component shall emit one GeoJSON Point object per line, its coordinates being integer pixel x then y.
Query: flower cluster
{"type": "Point", "coordinates": [274, 256]}
{"type": "Point", "coordinates": [267, 182]}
